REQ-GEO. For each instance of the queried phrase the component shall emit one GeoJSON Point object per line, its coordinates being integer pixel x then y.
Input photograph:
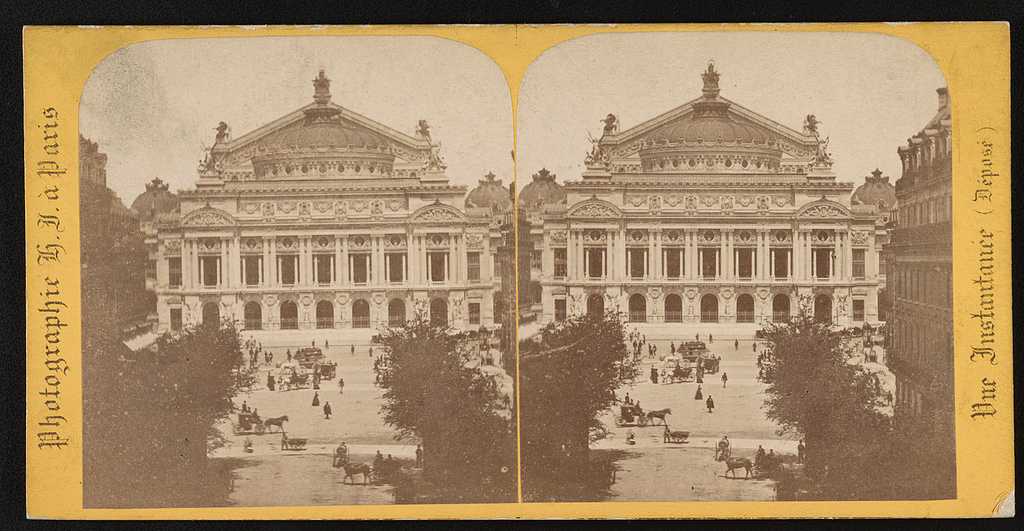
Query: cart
{"type": "Point", "coordinates": [292, 443]}
{"type": "Point", "coordinates": [313, 359]}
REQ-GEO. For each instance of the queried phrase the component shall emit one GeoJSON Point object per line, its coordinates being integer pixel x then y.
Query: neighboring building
{"type": "Point", "coordinates": [324, 218]}
{"type": "Point", "coordinates": [156, 201]}
{"type": "Point", "coordinates": [540, 195]}
{"type": "Point", "coordinates": [114, 298]}
{"type": "Point", "coordinates": [920, 277]}
{"type": "Point", "coordinates": [709, 213]}
{"type": "Point", "coordinates": [878, 191]}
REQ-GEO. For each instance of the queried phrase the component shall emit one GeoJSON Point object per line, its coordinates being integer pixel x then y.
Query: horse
{"type": "Point", "coordinates": [659, 414]}
{"type": "Point", "coordinates": [675, 436]}
{"type": "Point", "coordinates": [354, 469]}
{"type": "Point", "coordinates": [276, 421]}
{"type": "Point", "coordinates": [732, 463]}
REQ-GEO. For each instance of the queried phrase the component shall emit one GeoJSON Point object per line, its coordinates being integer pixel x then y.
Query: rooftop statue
{"type": "Point", "coordinates": [611, 124]}
{"type": "Point", "coordinates": [423, 129]}
{"type": "Point", "coordinates": [223, 131]}
{"type": "Point", "coordinates": [811, 125]}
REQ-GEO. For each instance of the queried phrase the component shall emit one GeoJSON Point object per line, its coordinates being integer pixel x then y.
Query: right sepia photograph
{"type": "Point", "coordinates": [734, 269]}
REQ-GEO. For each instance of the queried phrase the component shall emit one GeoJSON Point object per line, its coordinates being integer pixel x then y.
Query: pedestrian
{"type": "Point", "coordinates": [626, 400]}
{"type": "Point", "coordinates": [800, 449]}
{"type": "Point", "coordinates": [725, 379]}
{"type": "Point", "coordinates": [371, 351]}
{"type": "Point", "coordinates": [700, 393]}
{"type": "Point", "coordinates": [737, 344]}
{"type": "Point", "coordinates": [314, 344]}
{"type": "Point", "coordinates": [654, 351]}
{"type": "Point", "coordinates": [270, 381]}
{"type": "Point", "coordinates": [419, 456]}
{"type": "Point", "coordinates": [711, 404]}
{"type": "Point", "coordinates": [759, 458]}
{"type": "Point", "coordinates": [654, 374]}
{"type": "Point", "coordinates": [316, 399]}
{"type": "Point", "coordinates": [672, 347]}
{"type": "Point", "coordinates": [754, 345]}
{"type": "Point", "coordinates": [353, 350]}
{"type": "Point", "coordinates": [341, 385]}
{"type": "Point", "coordinates": [289, 354]}
{"type": "Point", "coordinates": [697, 336]}
{"type": "Point", "coordinates": [327, 410]}
{"type": "Point", "coordinates": [711, 338]}
{"type": "Point", "coordinates": [327, 344]}
{"type": "Point", "coordinates": [245, 407]}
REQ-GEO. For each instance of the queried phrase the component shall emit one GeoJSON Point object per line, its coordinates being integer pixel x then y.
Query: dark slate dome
{"type": "Point", "coordinates": [709, 123]}
{"type": "Point", "coordinates": [542, 191]}
{"type": "Point", "coordinates": [490, 193]}
{"type": "Point", "coordinates": [876, 190]}
{"type": "Point", "coordinates": [156, 200]}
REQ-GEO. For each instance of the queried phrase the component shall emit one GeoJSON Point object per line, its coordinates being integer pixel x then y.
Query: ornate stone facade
{"type": "Point", "coordinates": [707, 213]}
{"type": "Point", "coordinates": [326, 219]}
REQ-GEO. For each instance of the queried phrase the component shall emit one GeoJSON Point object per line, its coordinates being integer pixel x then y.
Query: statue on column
{"type": "Point", "coordinates": [611, 124]}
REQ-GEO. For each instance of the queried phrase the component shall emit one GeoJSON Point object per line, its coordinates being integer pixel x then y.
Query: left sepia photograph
{"type": "Point", "coordinates": [298, 274]}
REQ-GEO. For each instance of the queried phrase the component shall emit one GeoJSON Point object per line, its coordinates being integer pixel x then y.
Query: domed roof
{"type": "Point", "coordinates": [490, 193]}
{"type": "Point", "coordinates": [876, 190]}
{"type": "Point", "coordinates": [542, 191]}
{"type": "Point", "coordinates": [335, 134]}
{"type": "Point", "coordinates": [709, 123]}
{"type": "Point", "coordinates": [156, 200]}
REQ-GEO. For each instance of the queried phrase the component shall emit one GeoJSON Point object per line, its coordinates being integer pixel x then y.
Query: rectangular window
{"type": "Point", "coordinates": [858, 264]}
{"type": "Point", "coordinates": [596, 262]}
{"type": "Point", "coordinates": [822, 263]}
{"type": "Point", "coordinates": [209, 268]}
{"type": "Point", "coordinates": [560, 314]}
{"type": "Point", "coordinates": [323, 268]}
{"type": "Point", "coordinates": [537, 259]}
{"type": "Point", "coordinates": [745, 263]}
{"type": "Point", "coordinates": [174, 272]}
{"type": "Point", "coordinates": [781, 263]}
{"type": "Point", "coordinates": [637, 263]}
{"type": "Point", "coordinates": [251, 270]}
{"type": "Point", "coordinates": [288, 269]}
{"type": "Point", "coordinates": [494, 265]}
{"type": "Point", "coordinates": [175, 319]}
{"type": "Point", "coordinates": [473, 267]}
{"type": "Point", "coordinates": [395, 263]}
{"type": "Point", "coordinates": [561, 263]}
{"type": "Point", "coordinates": [673, 263]}
{"type": "Point", "coordinates": [360, 268]}
{"type": "Point", "coordinates": [709, 263]}
{"type": "Point", "coordinates": [858, 309]}
{"type": "Point", "coordinates": [474, 313]}
{"type": "Point", "coordinates": [437, 265]}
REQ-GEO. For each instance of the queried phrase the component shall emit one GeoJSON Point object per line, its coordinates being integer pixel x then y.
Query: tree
{"type": "Point", "coordinates": [154, 416]}
{"type": "Point", "coordinates": [434, 393]}
{"type": "Point", "coordinates": [568, 379]}
{"type": "Point", "coordinates": [814, 391]}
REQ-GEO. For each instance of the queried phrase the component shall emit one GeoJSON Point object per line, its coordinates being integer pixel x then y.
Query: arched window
{"type": "Point", "coordinates": [637, 308]}
{"type": "Point", "coordinates": [780, 308]}
{"type": "Point", "coordinates": [396, 313]}
{"type": "Point", "coordinates": [211, 314]}
{"type": "Point", "coordinates": [439, 312]}
{"type": "Point", "coordinates": [745, 308]}
{"type": "Point", "coordinates": [289, 315]}
{"type": "Point", "coordinates": [673, 308]}
{"type": "Point", "coordinates": [709, 309]}
{"type": "Point", "coordinates": [823, 308]}
{"type": "Point", "coordinates": [595, 305]}
{"type": "Point", "coordinates": [325, 314]}
{"type": "Point", "coordinates": [360, 314]}
{"type": "Point", "coordinates": [253, 314]}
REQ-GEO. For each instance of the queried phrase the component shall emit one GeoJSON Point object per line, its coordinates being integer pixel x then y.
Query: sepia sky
{"type": "Point", "coordinates": [153, 106]}
{"type": "Point", "coordinates": [870, 92]}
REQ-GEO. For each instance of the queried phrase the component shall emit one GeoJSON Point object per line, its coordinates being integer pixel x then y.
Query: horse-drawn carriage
{"type": "Point", "coordinates": [631, 415]}
{"type": "Point", "coordinates": [249, 423]}
{"type": "Point", "coordinates": [293, 376]}
{"type": "Point", "coordinates": [675, 370]}
{"type": "Point", "coordinates": [312, 359]}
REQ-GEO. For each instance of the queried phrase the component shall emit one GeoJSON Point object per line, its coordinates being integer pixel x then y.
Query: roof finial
{"type": "Point", "coordinates": [710, 77]}
{"type": "Point", "coordinates": [877, 174]}
{"type": "Point", "coordinates": [321, 89]}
